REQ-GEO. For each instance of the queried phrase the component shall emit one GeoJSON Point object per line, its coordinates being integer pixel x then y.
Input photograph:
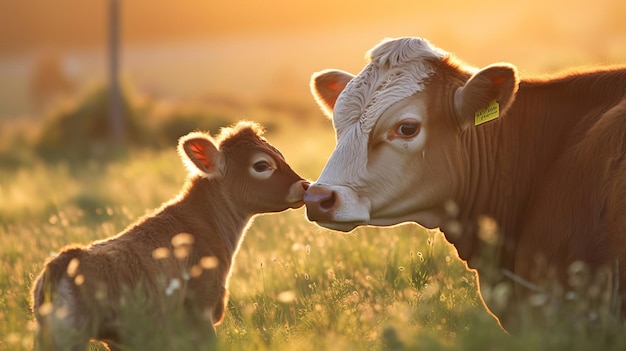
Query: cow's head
{"type": "Point", "coordinates": [400, 127]}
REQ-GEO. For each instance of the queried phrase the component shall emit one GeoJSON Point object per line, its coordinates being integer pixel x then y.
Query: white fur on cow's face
{"type": "Point", "coordinates": [380, 124]}
{"type": "Point", "coordinates": [400, 164]}
{"type": "Point", "coordinates": [344, 175]}
{"type": "Point", "coordinates": [371, 177]}
{"type": "Point", "coordinates": [397, 70]}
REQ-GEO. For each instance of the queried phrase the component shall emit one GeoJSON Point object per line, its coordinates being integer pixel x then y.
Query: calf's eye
{"type": "Point", "coordinates": [261, 166]}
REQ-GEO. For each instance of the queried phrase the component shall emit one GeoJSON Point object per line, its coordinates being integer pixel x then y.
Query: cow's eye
{"type": "Point", "coordinates": [261, 166]}
{"type": "Point", "coordinates": [407, 129]}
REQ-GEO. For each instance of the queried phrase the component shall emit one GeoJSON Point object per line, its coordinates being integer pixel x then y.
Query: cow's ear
{"type": "Point", "coordinates": [201, 155]}
{"type": "Point", "coordinates": [326, 86]}
{"type": "Point", "coordinates": [486, 95]}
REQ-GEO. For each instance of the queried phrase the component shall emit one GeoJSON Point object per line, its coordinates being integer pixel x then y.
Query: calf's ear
{"type": "Point", "coordinates": [326, 86]}
{"type": "Point", "coordinates": [200, 154]}
{"type": "Point", "coordinates": [492, 87]}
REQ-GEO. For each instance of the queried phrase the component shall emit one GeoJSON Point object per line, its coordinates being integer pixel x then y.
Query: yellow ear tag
{"type": "Point", "coordinates": [488, 113]}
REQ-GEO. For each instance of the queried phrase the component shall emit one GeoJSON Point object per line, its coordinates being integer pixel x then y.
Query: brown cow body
{"type": "Point", "coordinates": [178, 257]}
{"type": "Point", "coordinates": [548, 171]}
{"type": "Point", "coordinates": [551, 171]}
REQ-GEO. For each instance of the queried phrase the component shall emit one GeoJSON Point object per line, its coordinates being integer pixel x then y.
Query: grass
{"type": "Point", "coordinates": [295, 286]}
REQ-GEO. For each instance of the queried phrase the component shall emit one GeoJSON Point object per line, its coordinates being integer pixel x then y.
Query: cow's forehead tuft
{"type": "Point", "coordinates": [397, 52]}
{"type": "Point", "coordinates": [398, 68]}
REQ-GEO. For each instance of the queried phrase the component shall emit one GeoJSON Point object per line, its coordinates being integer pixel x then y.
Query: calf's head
{"type": "Point", "coordinates": [400, 126]}
{"type": "Point", "coordinates": [251, 172]}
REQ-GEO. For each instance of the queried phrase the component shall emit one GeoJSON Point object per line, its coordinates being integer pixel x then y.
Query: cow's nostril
{"type": "Point", "coordinates": [329, 202]}
{"type": "Point", "coordinates": [320, 202]}
{"type": "Point", "coordinates": [305, 185]}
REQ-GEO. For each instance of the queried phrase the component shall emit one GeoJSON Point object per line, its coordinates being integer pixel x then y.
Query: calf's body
{"type": "Point", "coordinates": [178, 258]}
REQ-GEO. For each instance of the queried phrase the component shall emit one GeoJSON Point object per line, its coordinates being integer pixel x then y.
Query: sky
{"type": "Point", "coordinates": [249, 48]}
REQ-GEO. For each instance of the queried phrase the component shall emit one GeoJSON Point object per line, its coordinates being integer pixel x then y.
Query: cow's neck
{"type": "Point", "coordinates": [544, 120]}
{"type": "Point", "coordinates": [485, 194]}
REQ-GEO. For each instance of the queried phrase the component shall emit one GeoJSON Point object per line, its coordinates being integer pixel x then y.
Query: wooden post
{"type": "Point", "coordinates": [116, 121]}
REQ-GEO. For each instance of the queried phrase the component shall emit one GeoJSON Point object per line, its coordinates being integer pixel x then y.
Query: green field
{"type": "Point", "coordinates": [295, 286]}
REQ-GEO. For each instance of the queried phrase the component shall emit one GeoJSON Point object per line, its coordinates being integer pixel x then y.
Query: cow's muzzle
{"type": "Point", "coordinates": [320, 203]}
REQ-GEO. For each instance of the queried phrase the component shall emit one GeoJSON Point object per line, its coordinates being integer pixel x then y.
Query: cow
{"type": "Point", "coordinates": [425, 138]}
{"type": "Point", "coordinates": [178, 257]}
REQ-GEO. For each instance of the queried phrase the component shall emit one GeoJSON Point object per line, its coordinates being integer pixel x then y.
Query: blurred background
{"type": "Point", "coordinates": [203, 63]}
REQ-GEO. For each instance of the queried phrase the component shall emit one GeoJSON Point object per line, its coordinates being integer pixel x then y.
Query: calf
{"type": "Point", "coordinates": [179, 256]}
